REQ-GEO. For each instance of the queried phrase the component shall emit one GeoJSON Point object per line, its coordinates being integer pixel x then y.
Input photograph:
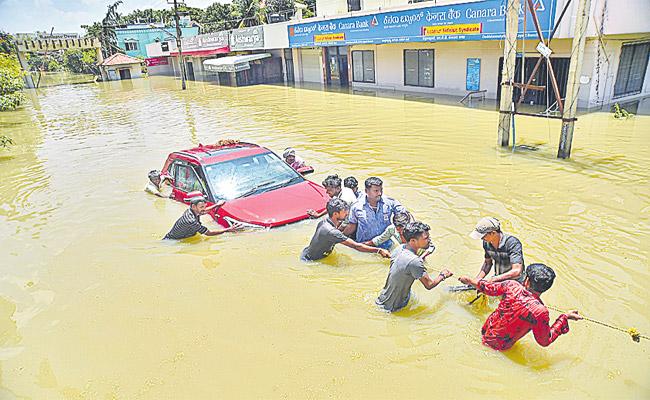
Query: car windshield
{"type": "Point", "coordinates": [251, 175]}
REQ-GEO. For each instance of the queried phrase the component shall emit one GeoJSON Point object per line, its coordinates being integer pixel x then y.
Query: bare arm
{"type": "Point", "coordinates": [430, 283]}
{"type": "Point", "coordinates": [512, 274]}
{"type": "Point", "coordinates": [485, 269]}
{"type": "Point", "coordinates": [365, 248]}
{"type": "Point", "coordinates": [350, 229]}
{"type": "Point", "coordinates": [315, 214]}
{"type": "Point", "coordinates": [231, 228]}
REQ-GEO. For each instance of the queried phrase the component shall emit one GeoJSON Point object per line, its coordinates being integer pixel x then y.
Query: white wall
{"type": "Point", "coordinates": [308, 65]}
{"type": "Point", "coordinates": [450, 64]}
{"type": "Point", "coordinates": [621, 17]}
{"type": "Point", "coordinates": [276, 36]}
{"type": "Point", "coordinates": [114, 74]}
{"type": "Point", "coordinates": [601, 64]}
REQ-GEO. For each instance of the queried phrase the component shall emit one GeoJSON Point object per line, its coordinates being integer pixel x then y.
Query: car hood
{"type": "Point", "coordinates": [278, 207]}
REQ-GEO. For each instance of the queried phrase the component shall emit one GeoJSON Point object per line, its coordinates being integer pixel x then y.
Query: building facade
{"type": "Point", "coordinates": [455, 47]}
{"type": "Point", "coordinates": [133, 39]}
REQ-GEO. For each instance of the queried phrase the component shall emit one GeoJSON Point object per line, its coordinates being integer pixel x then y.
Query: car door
{"type": "Point", "coordinates": [186, 179]}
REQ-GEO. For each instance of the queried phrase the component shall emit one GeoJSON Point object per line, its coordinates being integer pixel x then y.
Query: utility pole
{"type": "Point", "coordinates": [573, 81]}
{"type": "Point", "coordinates": [178, 44]}
{"type": "Point", "coordinates": [508, 71]}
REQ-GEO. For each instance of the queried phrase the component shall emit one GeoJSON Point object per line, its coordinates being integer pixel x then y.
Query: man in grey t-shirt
{"type": "Point", "coordinates": [328, 235]}
{"type": "Point", "coordinates": [501, 249]}
{"type": "Point", "coordinates": [406, 267]}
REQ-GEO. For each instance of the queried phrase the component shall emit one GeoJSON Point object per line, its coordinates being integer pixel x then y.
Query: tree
{"type": "Point", "coordinates": [249, 12]}
{"type": "Point", "coordinates": [7, 45]}
{"type": "Point", "coordinates": [11, 83]}
{"type": "Point", "coordinates": [81, 61]}
{"type": "Point", "coordinates": [281, 7]}
{"type": "Point", "coordinates": [218, 17]}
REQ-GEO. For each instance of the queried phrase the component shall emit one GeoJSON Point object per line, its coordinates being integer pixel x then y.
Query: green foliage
{"type": "Point", "coordinates": [11, 83]}
{"type": "Point", "coordinates": [621, 113]}
{"type": "Point", "coordinates": [218, 17]}
{"type": "Point", "coordinates": [81, 61]}
{"type": "Point", "coordinates": [279, 6]}
{"type": "Point", "coordinates": [50, 62]}
{"type": "Point", "coordinates": [7, 45]}
{"type": "Point", "coordinates": [5, 141]}
{"type": "Point", "coordinates": [248, 13]}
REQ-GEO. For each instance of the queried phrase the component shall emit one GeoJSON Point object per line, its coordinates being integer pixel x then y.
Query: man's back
{"type": "Point", "coordinates": [405, 268]}
{"type": "Point", "coordinates": [519, 312]}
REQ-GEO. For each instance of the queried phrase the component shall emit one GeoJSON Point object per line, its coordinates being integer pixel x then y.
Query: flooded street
{"type": "Point", "coordinates": [93, 305]}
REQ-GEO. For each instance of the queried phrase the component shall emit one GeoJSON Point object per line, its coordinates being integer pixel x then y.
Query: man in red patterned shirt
{"type": "Point", "coordinates": [521, 310]}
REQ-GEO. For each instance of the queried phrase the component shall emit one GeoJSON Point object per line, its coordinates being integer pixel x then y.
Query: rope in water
{"type": "Point", "coordinates": [636, 336]}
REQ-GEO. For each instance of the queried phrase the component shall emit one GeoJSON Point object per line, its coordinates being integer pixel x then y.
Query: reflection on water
{"type": "Point", "coordinates": [94, 305]}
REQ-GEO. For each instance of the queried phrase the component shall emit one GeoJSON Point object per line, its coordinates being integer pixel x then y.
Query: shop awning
{"type": "Point", "coordinates": [232, 63]}
{"type": "Point", "coordinates": [202, 53]}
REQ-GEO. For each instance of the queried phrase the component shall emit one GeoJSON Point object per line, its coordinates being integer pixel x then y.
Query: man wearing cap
{"type": "Point", "coordinates": [189, 224]}
{"type": "Point", "coordinates": [501, 249]}
{"type": "Point", "coordinates": [292, 159]}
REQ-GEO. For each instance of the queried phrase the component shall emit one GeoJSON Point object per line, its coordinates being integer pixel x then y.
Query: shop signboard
{"type": "Point", "coordinates": [473, 79]}
{"type": "Point", "coordinates": [208, 41]}
{"type": "Point", "coordinates": [483, 20]}
{"type": "Point", "coordinates": [155, 61]}
{"type": "Point", "coordinates": [247, 38]}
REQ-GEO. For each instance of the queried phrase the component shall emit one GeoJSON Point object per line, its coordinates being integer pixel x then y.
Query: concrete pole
{"type": "Point", "coordinates": [573, 81]}
{"type": "Point", "coordinates": [29, 81]}
{"type": "Point", "coordinates": [179, 33]}
{"type": "Point", "coordinates": [508, 71]}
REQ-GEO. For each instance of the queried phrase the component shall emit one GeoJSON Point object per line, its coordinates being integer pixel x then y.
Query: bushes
{"type": "Point", "coordinates": [11, 83]}
{"type": "Point", "coordinates": [81, 61]}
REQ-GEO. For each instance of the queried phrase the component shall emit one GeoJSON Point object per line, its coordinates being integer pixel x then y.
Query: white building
{"type": "Point", "coordinates": [453, 47]}
{"type": "Point", "coordinates": [120, 67]}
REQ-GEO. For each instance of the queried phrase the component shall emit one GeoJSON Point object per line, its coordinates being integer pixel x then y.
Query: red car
{"type": "Point", "coordinates": [259, 188]}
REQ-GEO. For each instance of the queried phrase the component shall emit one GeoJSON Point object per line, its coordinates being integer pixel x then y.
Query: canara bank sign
{"type": "Point", "coordinates": [483, 20]}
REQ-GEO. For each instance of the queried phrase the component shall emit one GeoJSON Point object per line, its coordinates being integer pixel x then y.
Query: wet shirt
{"type": "Point", "coordinates": [164, 190]}
{"type": "Point", "coordinates": [347, 195]}
{"type": "Point", "coordinates": [323, 241]}
{"type": "Point", "coordinates": [405, 268]}
{"type": "Point", "coordinates": [372, 223]}
{"type": "Point", "coordinates": [519, 312]}
{"type": "Point", "coordinates": [186, 226]}
{"type": "Point", "coordinates": [509, 252]}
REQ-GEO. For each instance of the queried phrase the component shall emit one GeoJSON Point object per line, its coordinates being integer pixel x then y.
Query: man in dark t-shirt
{"type": "Point", "coordinates": [189, 224]}
{"type": "Point", "coordinates": [328, 235]}
{"type": "Point", "coordinates": [501, 249]}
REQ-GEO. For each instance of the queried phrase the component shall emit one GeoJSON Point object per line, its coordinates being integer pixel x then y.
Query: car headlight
{"type": "Point", "coordinates": [232, 221]}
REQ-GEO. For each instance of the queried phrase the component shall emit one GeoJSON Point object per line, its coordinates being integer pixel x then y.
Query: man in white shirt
{"type": "Point", "coordinates": [334, 189]}
{"type": "Point", "coordinates": [159, 184]}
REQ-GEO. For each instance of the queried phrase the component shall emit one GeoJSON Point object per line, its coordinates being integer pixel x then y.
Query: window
{"type": "Point", "coordinates": [363, 66]}
{"type": "Point", "coordinates": [418, 68]}
{"type": "Point", "coordinates": [354, 5]}
{"type": "Point", "coordinates": [129, 46]}
{"type": "Point", "coordinates": [185, 178]}
{"type": "Point", "coordinates": [631, 69]}
{"type": "Point", "coordinates": [251, 175]}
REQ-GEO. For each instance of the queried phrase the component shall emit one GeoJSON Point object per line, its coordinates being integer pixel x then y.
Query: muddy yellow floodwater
{"type": "Point", "coordinates": [94, 306]}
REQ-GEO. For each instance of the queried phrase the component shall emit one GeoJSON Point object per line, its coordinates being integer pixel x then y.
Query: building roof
{"type": "Point", "coordinates": [120, 59]}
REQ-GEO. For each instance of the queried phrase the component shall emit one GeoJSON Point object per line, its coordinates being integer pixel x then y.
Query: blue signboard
{"type": "Point", "coordinates": [483, 20]}
{"type": "Point", "coordinates": [473, 80]}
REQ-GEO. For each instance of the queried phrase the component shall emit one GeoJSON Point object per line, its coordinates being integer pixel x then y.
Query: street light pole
{"type": "Point", "coordinates": [178, 44]}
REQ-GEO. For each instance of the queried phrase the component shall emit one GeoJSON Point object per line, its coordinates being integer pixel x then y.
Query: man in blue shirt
{"type": "Point", "coordinates": [372, 214]}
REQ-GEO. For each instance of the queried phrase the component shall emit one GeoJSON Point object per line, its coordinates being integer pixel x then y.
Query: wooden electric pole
{"type": "Point", "coordinates": [508, 71]}
{"type": "Point", "coordinates": [179, 34]}
{"type": "Point", "coordinates": [573, 81]}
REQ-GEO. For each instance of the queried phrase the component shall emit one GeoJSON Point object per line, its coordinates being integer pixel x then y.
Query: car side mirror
{"type": "Point", "coordinates": [305, 170]}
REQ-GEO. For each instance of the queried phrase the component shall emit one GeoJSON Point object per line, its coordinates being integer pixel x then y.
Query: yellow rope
{"type": "Point", "coordinates": [636, 336]}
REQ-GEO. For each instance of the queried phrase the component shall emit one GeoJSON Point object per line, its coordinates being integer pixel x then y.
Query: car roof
{"type": "Point", "coordinates": [212, 153]}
